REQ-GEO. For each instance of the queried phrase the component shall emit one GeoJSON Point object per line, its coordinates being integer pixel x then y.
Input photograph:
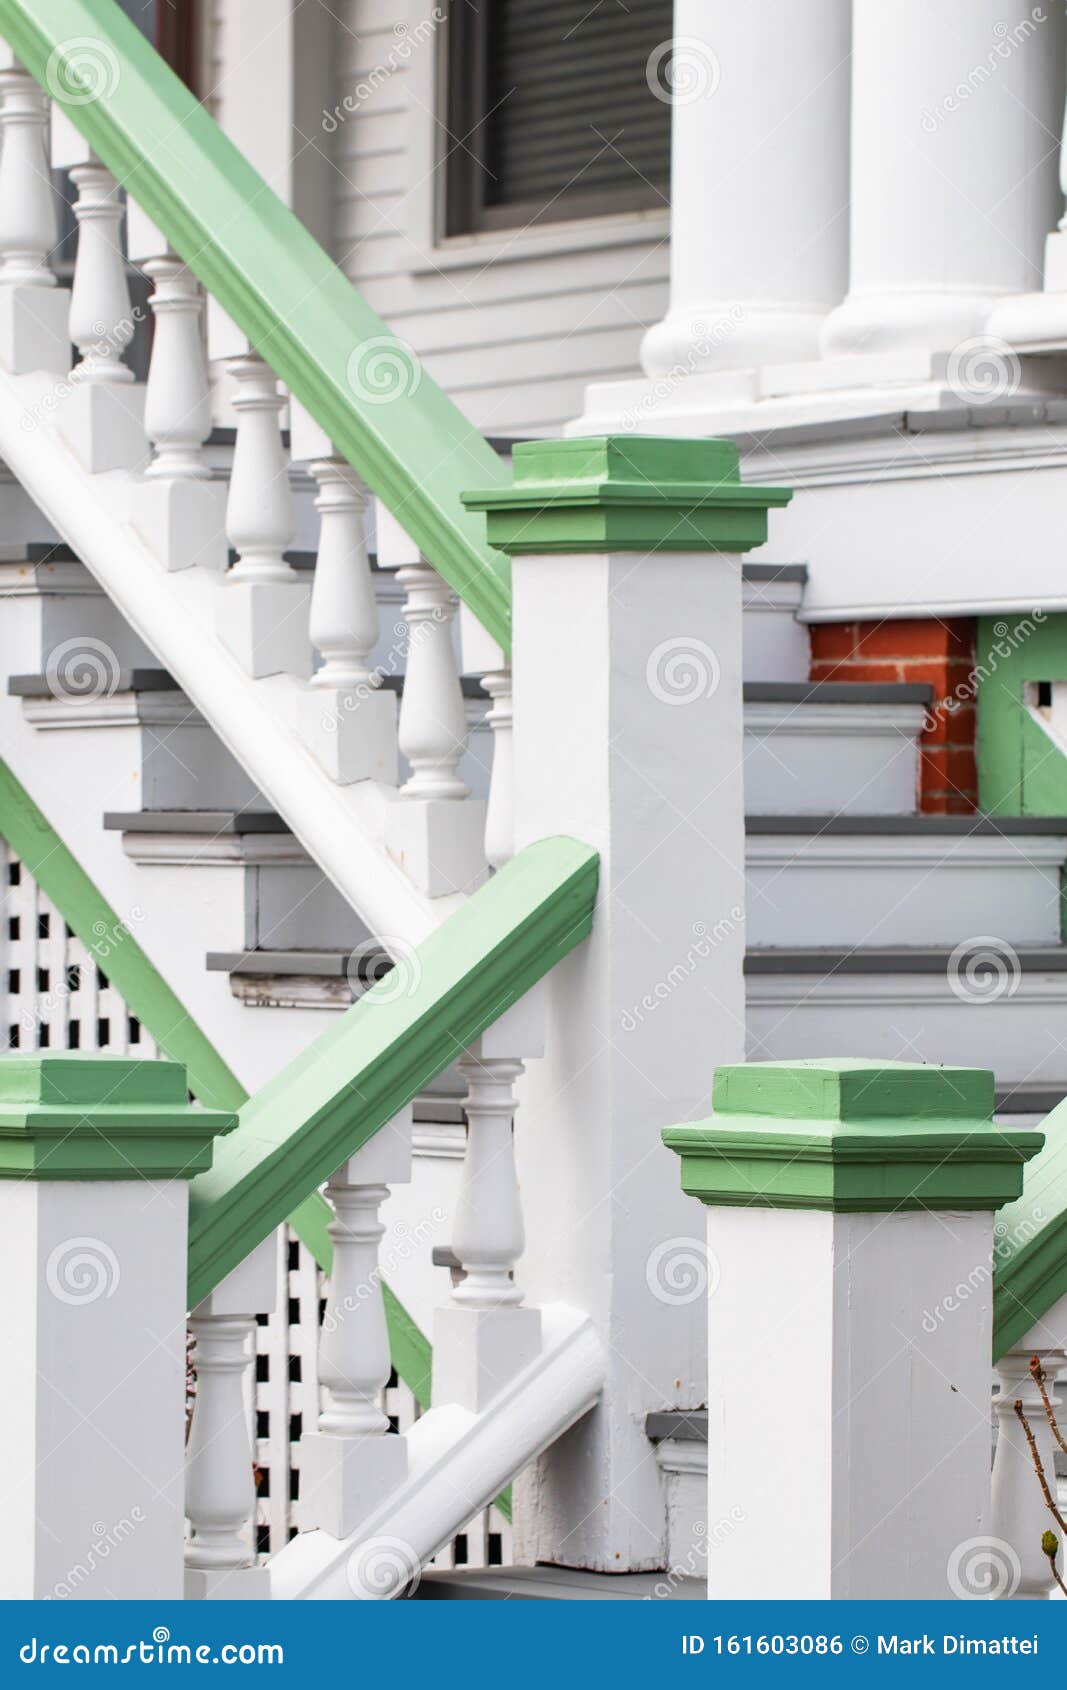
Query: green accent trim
{"type": "Point", "coordinates": [847, 1136]}
{"type": "Point", "coordinates": [90, 916]}
{"type": "Point", "coordinates": [1021, 771]}
{"type": "Point", "coordinates": [387, 1048]}
{"type": "Point", "coordinates": [68, 1116]}
{"type": "Point", "coordinates": [415, 449]}
{"type": "Point", "coordinates": [1030, 1247]}
{"type": "Point", "coordinates": [626, 493]}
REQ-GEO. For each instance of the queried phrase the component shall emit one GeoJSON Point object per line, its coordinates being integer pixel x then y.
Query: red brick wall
{"type": "Point", "coordinates": [933, 653]}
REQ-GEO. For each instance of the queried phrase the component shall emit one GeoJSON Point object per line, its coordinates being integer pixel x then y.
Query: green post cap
{"type": "Point", "coordinates": [842, 1134]}
{"type": "Point", "coordinates": [66, 1115]}
{"type": "Point", "coordinates": [626, 493]}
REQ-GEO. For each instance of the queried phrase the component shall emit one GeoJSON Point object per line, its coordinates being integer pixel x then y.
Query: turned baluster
{"type": "Point", "coordinates": [500, 812]}
{"type": "Point", "coordinates": [1018, 1566]}
{"type": "Point", "coordinates": [349, 1462]}
{"type": "Point", "coordinates": [28, 221]}
{"type": "Point", "coordinates": [177, 398]}
{"type": "Point", "coordinates": [488, 1236]}
{"type": "Point", "coordinates": [101, 316]}
{"type": "Point", "coordinates": [433, 719]}
{"type": "Point", "coordinates": [259, 514]}
{"type": "Point", "coordinates": [344, 611]}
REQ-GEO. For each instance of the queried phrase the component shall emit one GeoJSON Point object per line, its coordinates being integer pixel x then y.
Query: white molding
{"type": "Point", "coordinates": [834, 721]}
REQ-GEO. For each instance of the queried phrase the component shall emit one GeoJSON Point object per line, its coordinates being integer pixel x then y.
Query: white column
{"type": "Point", "coordinates": [33, 311]}
{"type": "Point", "coordinates": [436, 830]}
{"type": "Point", "coordinates": [348, 720]}
{"type": "Point", "coordinates": [1038, 321]}
{"type": "Point", "coordinates": [759, 188]}
{"type": "Point", "coordinates": [263, 607]}
{"type": "Point", "coordinates": [953, 174]}
{"type": "Point", "coordinates": [179, 509]}
{"type": "Point", "coordinates": [220, 1491]}
{"type": "Point", "coordinates": [352, 1460]}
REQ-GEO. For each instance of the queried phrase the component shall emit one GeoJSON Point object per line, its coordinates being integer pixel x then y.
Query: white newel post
{"type": "Point", "coordinates": [97, 1155]}
{"type": "Point", "coordinates": [758, 249]}
{"type": "Point", "coordinates": [953, 178]}
{"type": "Point", "coordinates": [352, 1461]}
{"type": "Point", "coordinates": [643, 763]}
{"type": "Point", "coordinates": [262, 611]}
{"type": "Point", "coordinates": [435, 830]}
{"type": "Point", "coordinates": [34, 312]}
{"type": "Point", "coordinates": [220, 1491]}
{"type": "Point", "coordinates": [850, 1215]}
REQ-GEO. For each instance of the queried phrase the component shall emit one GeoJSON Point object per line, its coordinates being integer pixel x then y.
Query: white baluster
{"type": "Point", "coordinates": [263, 609]}
{"type": "Point", "coordinates": [488, 1236]}
{"type": "Point", "coordinates": [101, 314]}
{"type": "Point", "coordinates": [29, 226]}
{"type": "Point", "coordinates": [34, 312]}
{"type": "Point", "coordinates": [179, 509]}
{"type": "Point", "coordinates": [1019, 1516]}
{"type": "Point", "coordinates": [436, 831]}
{"type": "Point", "coordinates": [500, 813]}
{"type": "Point", "coordinates": [220, 1492]}
{"type": "Point", "coordinates": [177, 398]}
{"type": "Point", "coordinates": [102, 417]}
{"type": "Point", "coordinates": [352, 1460]}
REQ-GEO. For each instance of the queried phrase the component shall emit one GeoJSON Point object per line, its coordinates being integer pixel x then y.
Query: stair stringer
{"type": "Point", "coordinates": [458, 1461]}
{"type": "Point", "coordinates": [342, 828]}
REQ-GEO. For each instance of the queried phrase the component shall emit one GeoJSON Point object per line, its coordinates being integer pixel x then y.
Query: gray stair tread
{"type": "Point", "coordinates": [774, 571]}
{"type": "Point", "coordinates": [1033, 959]}
{"type": "Point", "coordinates": [949, 827]}
{"type": "Point", "coordinates": [280, 964]}
{"type": "Point", "coordinates": [126, 680]}
{"type": "Point", "coordinates": [553, 1584]}
{"type": "Point", "coordinates": [835, 692]}
{"type": "Point", "coordinates": [210, 822]}
{"type": "Point", "coordinates": [1028, 1100]}
{"type": "Point", "coordinates": [683, 1425]}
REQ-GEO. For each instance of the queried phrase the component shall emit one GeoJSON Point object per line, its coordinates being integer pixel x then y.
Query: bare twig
{"type": "Point", "coordinates": [1038, 1469]}
{"type": "Point", "coordinates": [1037, 1374]}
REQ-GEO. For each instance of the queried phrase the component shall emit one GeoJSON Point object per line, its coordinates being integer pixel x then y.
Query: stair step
{"type": "Point", "coordinates": [832, 747]}
{"type": "Point", "coordinates": [119, 680]}
{"type": "Point", "coordinates": [775, 646]}
{"type": "Point", "coordinates": [917, 959]}
{"type": "Point", "coordinates": [912, 884]}
{"type": "Point", "coordinates": [209, 822]}
{"type": "Point", "coordinates": [554, 1584]}
{"type": "Point", "coordinates": [679, 1425]}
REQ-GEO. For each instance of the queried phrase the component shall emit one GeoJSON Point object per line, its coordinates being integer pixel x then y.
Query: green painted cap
{"type": "Point", "coordinates": [626, 493]}
{"type": "Point", "coordinates": [843, 1134]}
{"type": "Point", "coordinates": [68, 1115]}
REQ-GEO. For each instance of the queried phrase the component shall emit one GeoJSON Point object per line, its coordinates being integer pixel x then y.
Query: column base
{"type": "Point", "coordinates": [265, 625]}
{"type": "Point", "coordinates": [343, 1479]}
{"type": "Point", "coordinates": [231, 1584]}
{"type": "Point", "coordinates": [900, 322]}
{"type": "Point", "coordinates": [439, 843]}
{"type": "Point", "coordinates": [184, 521]}
{"type": "Point", "coordinates": [34, 333]}
{"type": "Point", "coordinates": [351, 732]}
{"type": "Point", "coordinates": [730, 335]}
{"type": "Point", "coordinates": [103, 424]}
{"type": "Point", "coordinates": [476, 1352]}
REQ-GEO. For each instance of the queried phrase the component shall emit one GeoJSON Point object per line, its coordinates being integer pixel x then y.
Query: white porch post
{"type": "Point", "coordinates": [619, 596]}
{"type": "Point", "coordinates": [955, 110]}
{"type": "Point", "coordinates": [759, 186]}
{"type": "Point", "coordinates": [850, 1250]}
{"type": "Point", "coordinates": [95, 1156]}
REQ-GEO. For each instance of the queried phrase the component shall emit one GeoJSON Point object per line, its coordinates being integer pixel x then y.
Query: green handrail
{"type": "Point", "coordinates": [1030, 1242]}
{"type": "Point", "coordinates": [417, 451]}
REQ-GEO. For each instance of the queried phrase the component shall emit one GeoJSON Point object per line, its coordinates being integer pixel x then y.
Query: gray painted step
{"type": "Point", "coordinates": [832, 747]}
{"type": "Point", "coordinates": [554, 1584]}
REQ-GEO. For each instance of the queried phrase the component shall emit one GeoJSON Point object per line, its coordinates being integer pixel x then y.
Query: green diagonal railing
{"type": "Point", "coordinates": [415, 450]}
{"type": "Point", "coordinates": [1030, 1242]}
